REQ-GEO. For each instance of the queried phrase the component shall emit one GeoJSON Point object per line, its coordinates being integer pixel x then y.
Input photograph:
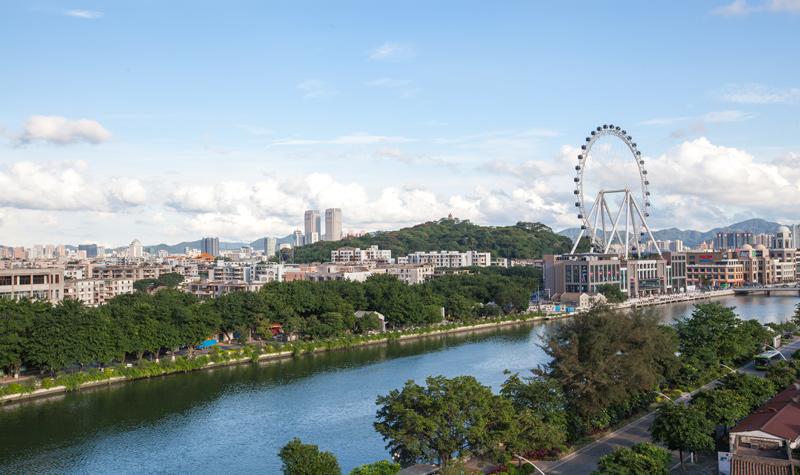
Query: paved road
{"type": "Point", "coordinates": [584, 460]}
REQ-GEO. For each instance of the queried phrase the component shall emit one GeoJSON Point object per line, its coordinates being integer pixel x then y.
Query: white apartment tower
{"type": "Point", "coordinates": [270, 246]}
{"type": "Point", "coordinates": [313, 226]}
{"type": "Point", "coordinates": [333, 224]}
{"type": "Point", "coordinates": [135, 249]}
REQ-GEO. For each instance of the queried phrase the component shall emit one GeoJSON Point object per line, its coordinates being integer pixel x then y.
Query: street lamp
{"type": "Point", "coordinates": [728, 368]}
{"type": "Point", "coordinates": [664, 396]}
{"type": "Point", "coordinates": [779, 352]}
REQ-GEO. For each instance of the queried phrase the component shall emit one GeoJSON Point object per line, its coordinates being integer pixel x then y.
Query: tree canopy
{"type": "Point", "coordinates": [306, 459]}
{"type": "Point", "coordinates": [603, 358]}
{"type": "Point", "coordinates": [523, 240]}
{"type": "Point", "coordinates": [446, 418]}
{"type": "Point", "coordinates": [639, 459]}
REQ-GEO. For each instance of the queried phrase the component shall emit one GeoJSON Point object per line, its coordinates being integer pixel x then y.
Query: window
{"type": "Point", "coordinates": [5, 280]}
{"type": "Point", "coordinates": [24, 280]}
{"type": "Point", "coordinates": [38, 279]}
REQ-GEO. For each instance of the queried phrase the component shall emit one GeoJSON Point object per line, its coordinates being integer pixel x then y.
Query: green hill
{"type": "Point", "coordinates": [523, 240]}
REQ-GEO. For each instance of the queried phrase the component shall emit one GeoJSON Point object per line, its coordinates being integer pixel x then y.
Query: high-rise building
{"type": "Point", "coordinates": [732, 240]}
{"type": "Point", "coordinates": [298, 238]}
{"type": "Point", "coordinates": [333, 224]}
{"type": "Point", "coordinates": [796, 236]}
{"type": "Point", "coordinates": [135, 250]}
{"type": "Point", "coordinates": [210, 246]}
{"type": "Point", "coordinates": [270, 246]}
{"type": "Point", "coordinates": [91, 249]}
{"type": "Point", "coordinates": [313, 225]}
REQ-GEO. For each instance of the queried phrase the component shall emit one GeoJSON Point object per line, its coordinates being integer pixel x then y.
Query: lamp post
{"type": "Point", "coordinates": [728, 368]}
{"type": "Point", "coordinates": [779, 351]}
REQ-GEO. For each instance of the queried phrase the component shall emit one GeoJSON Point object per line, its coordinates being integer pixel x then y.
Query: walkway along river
{"type": "Point", "coordinates": [235, 419]}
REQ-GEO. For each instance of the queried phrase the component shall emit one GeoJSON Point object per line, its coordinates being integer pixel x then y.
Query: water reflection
{"type": "Point", "coordinates": [235, 419]}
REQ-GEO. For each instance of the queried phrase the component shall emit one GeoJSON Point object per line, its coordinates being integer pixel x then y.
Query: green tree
{"type": "Point", "coordinates": [367, 323]}
{"type": "Point", "coordinates": [446, 418]}
{"type": "Point", "coordinates": [714, 334]}
{"type": "Point", "coordinates": [755, 391]}
{"type": "Point", "coordinates": [639, 459]}
{"type": "Point", "coordinates": [603, 358]}
{"type": "Point", "coordinates": [16, 318]}
{"type": "Point", "coordinates": [782, 374]}
{"type": "Point", "coordinates": [384, 467]}
{"type": "Point", "coordinates": [722, 406]}
{"type": "Point", "coordinates": [612, 293]}
{"type": "Point", "coordinates": [682, 428]}
{"type": "Point", "coordinates": [541, 422]}
{"type": "Point", "coordinates": [170, 279]}
{"type": "Point", "coordinates": [306, 459]}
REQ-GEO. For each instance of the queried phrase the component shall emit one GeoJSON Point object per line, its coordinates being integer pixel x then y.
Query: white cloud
{"type": "Point", "coordinates": [743, 8]}
{"type": "Point", "coordinates": [61, 131]}
{"type": "Point", "coordinates": [759, 94]}
{"type": "Point", "coordinates": [64, 186]}
{"type": "Point", "coordinates": [356, 138]}
{"type": "Point", "coordinates": [710, 117]}
{"type": "Point", "coordinates": [727, 116]}
{"type": "Point", "coordinates": [237, 210]}
{"type": "Point", "coordinates": [392, 51]}
{"type": "Point", "coordinates": [314, 88]}
{"type": "Point", "coordinates": [735, 8]}
{"type": "Point", "coordinates": [127, 191]}
{"type": "Point", "coordinates": [84, 14]}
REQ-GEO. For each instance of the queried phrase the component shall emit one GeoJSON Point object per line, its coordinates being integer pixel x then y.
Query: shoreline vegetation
{"type": "Point", "coordinates": [39, 387]}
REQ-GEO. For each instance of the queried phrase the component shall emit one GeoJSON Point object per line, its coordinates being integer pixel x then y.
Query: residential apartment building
{"type": "Point", "coordinates": [410, 273]}
{"type": "Point", "coordinates": [355, 255]}
{"type": "Point", "coordinates": [36, 284]}
{"type": "Point", "coordinates": [210, 246]}
{"type": "Point", "coordinates": [448, 258]}
{"type": "Point", "coordinates": [95, 292]}
{"type": "Point", "coordinates": [732, 240]}
{"type": "Point", "coordinates": [129, 271]}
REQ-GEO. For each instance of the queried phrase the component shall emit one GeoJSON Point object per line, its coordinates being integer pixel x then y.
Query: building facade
{"type": "Point", "coordinates": [313, 226]}
{"type": "Point", "coordinates": [333, 224]}
{"type": "Point", "coordinates": [210, 246]}
{"type": "Point", "coordinates": [35, 284]}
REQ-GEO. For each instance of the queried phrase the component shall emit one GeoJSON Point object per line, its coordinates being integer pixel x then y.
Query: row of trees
{"type": "Point", "coordinates": [53, 337]}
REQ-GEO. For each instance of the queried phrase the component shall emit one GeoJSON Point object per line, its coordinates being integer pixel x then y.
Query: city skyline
{"type": "Point", "coordinates": [103, 139]}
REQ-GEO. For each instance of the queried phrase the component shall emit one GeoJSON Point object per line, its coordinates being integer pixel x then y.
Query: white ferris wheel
{"type": "Point", "coordinates": [627, 224]}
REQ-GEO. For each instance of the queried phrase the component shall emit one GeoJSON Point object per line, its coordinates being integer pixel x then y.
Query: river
{"type": "Point", "coordinates": [235, 419]}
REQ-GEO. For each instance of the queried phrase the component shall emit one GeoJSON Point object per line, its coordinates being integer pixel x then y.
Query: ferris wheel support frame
{"type": "Point", "coordinates": [600, 210]}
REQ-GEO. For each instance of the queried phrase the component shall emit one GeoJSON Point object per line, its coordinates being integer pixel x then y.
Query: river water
{"type": "Point", "coordinates": [235, 419]}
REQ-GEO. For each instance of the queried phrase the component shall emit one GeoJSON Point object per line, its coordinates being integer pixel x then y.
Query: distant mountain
{"type": "Point", "coordinates": [693, 238]}
{"type": "Point", "coordinates": [179, 247]}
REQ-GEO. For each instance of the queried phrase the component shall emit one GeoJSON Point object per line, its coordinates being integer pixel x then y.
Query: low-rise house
{"type": "Point", "coordinates": [762, 443]}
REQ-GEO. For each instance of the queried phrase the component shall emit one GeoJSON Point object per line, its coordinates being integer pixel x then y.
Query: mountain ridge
{"type": "Point", "coordinates": [691, 237]}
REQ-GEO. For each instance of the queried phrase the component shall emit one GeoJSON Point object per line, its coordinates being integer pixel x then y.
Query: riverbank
{"type": "Point", "coordinates": [673, 298]}
{"type": "Point", "coordinates": [34, 388]}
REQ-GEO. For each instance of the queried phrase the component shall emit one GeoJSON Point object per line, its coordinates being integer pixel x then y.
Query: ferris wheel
{"type": "Point", "coordinates": [598, 223]}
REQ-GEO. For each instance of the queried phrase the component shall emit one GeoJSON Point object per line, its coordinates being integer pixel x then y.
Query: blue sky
{"type": "Point", "coordinates": [230, 118]}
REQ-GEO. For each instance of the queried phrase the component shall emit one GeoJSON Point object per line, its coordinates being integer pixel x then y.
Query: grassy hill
{"type": "Point", "coordinates": [523, 240]}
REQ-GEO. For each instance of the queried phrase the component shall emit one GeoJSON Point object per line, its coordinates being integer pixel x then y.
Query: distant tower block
{"type": "Point", "coordinates": [333, 224]}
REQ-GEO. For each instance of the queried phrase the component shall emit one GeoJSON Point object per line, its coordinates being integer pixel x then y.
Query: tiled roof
{"type": "Point", "coordinates": [780, 416]}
